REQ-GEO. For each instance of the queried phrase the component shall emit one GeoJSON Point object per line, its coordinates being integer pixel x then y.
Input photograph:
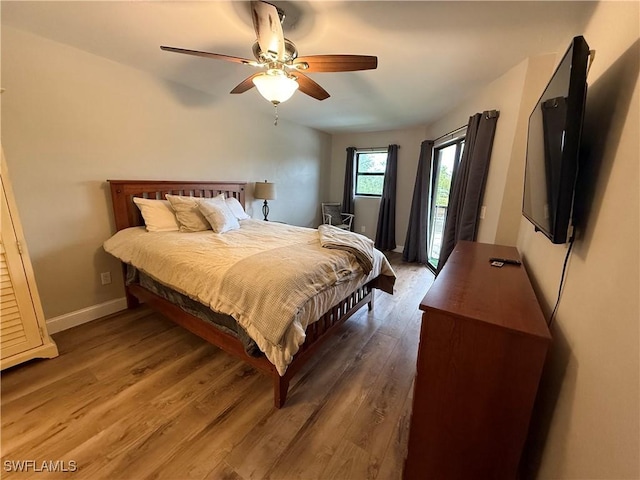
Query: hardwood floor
{"type": "Point", "coordinates": [133, 396]}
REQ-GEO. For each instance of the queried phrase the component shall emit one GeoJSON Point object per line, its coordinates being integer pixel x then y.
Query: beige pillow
{"type": "Point", "coordinates": [157, 214]}
{"type": "Point", "coordinates": [218, 214]}
{"type": "Point", "coordinates": [188, 213]}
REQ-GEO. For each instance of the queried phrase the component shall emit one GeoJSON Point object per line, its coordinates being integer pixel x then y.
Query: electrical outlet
{"type": "Point", "coordinates": [105, 278]}
{"type": "Point", "coordinates": [363, 229]}
{"type": "Point", "coordinates": [483, 211]}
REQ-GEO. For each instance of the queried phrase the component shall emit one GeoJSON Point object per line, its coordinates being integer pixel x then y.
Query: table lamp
{"type": "Point", "coordinates": [265, 191]}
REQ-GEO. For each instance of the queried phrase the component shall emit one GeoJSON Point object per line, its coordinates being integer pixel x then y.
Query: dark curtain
{"type": "Point", "coordinates": [468, 183]}
{"type": "Point", "coordinates": [386, 229]}
{"type": "Point", "coordinates": [348, 198]}
{"type": "Point", "coordinates": [415, 245]}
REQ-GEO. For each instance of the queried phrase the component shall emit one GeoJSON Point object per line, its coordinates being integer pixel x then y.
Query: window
{"type": "Point", "coordinates": [370, 168]}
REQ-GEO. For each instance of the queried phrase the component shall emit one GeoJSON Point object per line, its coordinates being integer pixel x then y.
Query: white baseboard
{"type": "Point", "coordinates": [84, 315]}
{"type": "Point", "coordinates": [399, 249]}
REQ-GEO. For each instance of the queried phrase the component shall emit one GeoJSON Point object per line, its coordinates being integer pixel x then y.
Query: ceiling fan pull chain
{"type": "Point", "coordinates": [275, 105]}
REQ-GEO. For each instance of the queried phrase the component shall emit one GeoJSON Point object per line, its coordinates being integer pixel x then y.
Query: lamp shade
{"type": "Point", "coordinates": [275, 86]}
{"type": "Point", "coordinates": [264, 191]}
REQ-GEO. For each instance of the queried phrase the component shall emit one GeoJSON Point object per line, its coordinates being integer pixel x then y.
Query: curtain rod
{"type": "Point", "coordinates": [373, 148]}
{"type": "Point", "coordinates": [450, 133]}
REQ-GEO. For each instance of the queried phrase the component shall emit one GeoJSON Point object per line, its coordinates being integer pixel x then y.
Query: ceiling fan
{"type": "Point", "coordinates": [282, 68]}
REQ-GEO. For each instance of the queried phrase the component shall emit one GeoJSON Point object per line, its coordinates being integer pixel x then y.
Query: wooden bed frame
{"type": "Point", "coordinates": [128, 215]}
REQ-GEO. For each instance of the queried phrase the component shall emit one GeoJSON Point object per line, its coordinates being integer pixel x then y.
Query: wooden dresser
{"type": "Point", "coordinates": [483, 344]}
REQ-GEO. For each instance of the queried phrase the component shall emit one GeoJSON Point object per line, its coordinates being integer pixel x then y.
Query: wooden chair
{"type": "Point", "coordinates": [332, 214]}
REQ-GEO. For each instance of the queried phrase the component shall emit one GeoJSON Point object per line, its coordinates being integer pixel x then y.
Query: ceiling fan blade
{"type": "Point", "coordinates": [336, 63]}
{"type": "Point", "coordinates": [246, 84]}
{"type": "Point", "coordinates": [217, 56]}
{"type": "Point", "coordinates": [309, 87]}
{"type": "Point", "coordinates": [266, 23]}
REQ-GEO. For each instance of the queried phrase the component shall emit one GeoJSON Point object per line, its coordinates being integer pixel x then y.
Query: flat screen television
{"type": "Point", "coordinates": [553, 146]}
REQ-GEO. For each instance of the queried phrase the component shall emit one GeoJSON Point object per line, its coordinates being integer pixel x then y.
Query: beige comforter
{"type": "Point", "coordinates": [274, 279]}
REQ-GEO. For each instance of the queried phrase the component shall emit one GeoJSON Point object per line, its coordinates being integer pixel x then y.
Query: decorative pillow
{"type": "Point", "coordinates": [188, 213]}
{"type": "Point", "coordinates": [219, 216]}
{"type": "Point", "coordinates": [157, 214]}
{"type": "Point", "coordinates": [236, 208]}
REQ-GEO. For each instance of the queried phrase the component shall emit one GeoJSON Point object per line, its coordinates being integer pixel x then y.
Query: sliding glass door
{"type": "Point", "coordinates": [443, 167]}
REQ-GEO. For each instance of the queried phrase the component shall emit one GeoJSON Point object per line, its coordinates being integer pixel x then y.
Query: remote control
{"type": "Point", "coordinates": [505, 261]}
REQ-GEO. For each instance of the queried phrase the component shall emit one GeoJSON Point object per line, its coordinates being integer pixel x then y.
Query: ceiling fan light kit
{"type": "Point", "coordinates": [275, 85]}
{"type": "Point", "coordinates": [280, 57]}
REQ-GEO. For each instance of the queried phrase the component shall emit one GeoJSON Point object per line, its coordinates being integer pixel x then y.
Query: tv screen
{"type": "Point", "coordinates": [553, 145]}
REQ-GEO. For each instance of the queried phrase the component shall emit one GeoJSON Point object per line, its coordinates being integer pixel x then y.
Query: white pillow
{"type": "Point", "coordinates": [236, 208]}
{"type": "Point", "coordinates": [157, 214]}
{"type": "Point", "coordinates": [219, 216]}
{"type": "Point", "coordinates": [188, 213]}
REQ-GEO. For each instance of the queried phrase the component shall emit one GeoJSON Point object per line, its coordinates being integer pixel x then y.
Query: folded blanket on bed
{"type": "Point", "coordinates": [358, 245]}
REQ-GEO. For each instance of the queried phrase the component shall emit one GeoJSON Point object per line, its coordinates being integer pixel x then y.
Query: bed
{"type": "Point", "coordinates": [300, 340]}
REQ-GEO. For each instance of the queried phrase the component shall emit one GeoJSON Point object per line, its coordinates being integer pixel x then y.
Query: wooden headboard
{"type": "Point", "coordinates": [128, 215]}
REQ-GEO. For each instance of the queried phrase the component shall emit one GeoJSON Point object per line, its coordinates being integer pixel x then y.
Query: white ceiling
{"type": "Point", "coordinates": [430, 54]}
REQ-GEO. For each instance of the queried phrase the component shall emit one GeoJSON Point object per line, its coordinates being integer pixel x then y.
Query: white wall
{"type": "Point", "coordinates": [72, 120]}
{"type": "Point", "coordinates": [587, 422]}
{"type": "Point", "coordinates": [366, 208]}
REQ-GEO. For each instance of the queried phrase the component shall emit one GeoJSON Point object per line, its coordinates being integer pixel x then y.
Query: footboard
{"type": "Point", "coordinates": [320, 330]}
{"type": "Point", "coordinates": [317, 333]}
